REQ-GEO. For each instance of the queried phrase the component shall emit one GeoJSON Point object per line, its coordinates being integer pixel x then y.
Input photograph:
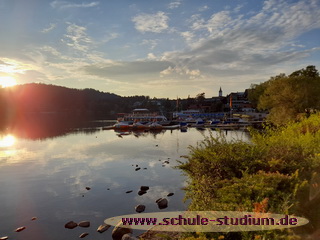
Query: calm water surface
{"type": "Point", "coordinates": [47, 178]}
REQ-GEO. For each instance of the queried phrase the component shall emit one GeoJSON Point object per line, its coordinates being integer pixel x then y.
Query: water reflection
{"type": "Point", "coordinates": [50, 125]}
{"type": "Point", "coordinates": [7, 141]}
{"type": "Point", "coordinates": [48, 178]}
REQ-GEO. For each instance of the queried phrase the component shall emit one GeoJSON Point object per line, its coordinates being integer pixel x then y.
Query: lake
{"type": "Point", "coordinates": [44, 172]}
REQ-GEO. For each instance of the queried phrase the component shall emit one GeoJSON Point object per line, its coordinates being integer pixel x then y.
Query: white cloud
{"type": "Point", "coordinates": [110, 37]}
{"type": "Point", "coordinates": [156, 23]}
{"type": "Point", "coordinates": [182, 71]}
{"type": "Point", "coordinates": [77, 38]}
{"type": "Point", "coordinates": [151, 42]}
{"type": "Point", "coordinates": [173, 5]}
{"type": "Point", "coordinates": [218, 21]}
{"type": "Point", "coordinates": [242, 45]}
{"type": "Point", "coordinates": [151, 56]}
{"type": "Point", "coordinates": [49, 29]}
{"type": "Point", "coordinates": [203, 8]}
{"type": "Point", "coordinates": [65, 5]}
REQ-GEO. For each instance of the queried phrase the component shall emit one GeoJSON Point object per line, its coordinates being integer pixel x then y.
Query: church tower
{"type": "Point", "coordinates": [220, 92]}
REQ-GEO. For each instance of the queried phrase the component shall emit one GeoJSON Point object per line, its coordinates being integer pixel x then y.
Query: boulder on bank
{"type": "Point", "coordinates": [128, 237]}
{"type": "Point", "coordinates": [119, 231]}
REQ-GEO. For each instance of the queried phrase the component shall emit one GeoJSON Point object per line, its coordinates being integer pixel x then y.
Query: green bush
{"type": "Point", "coordinates": [274, 172]}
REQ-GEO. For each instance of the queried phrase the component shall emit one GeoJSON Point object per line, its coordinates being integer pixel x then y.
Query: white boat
{"type": "Point", "coordinates": [142, 115]}
{"type": "Point", "coordinates": [172, 126]}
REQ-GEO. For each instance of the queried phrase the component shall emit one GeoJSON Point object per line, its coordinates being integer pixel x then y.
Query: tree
{"type": "Point", "coordinates": [255, 91]}
{"type": "Point", "coordinates": [200, 98]}
{"type": "Point", "coordinates": [286, 97]}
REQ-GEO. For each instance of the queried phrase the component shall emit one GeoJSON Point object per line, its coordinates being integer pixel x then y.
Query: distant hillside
{"type": "Point", "coordinates": [35, 98]}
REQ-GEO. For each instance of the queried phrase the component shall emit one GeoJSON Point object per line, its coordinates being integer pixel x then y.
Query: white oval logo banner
{"type": "Point", "coordinates": [206, 221]}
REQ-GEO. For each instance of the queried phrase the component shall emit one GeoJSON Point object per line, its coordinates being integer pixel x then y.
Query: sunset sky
{"type": "Point", "coordinates": [157, 48]}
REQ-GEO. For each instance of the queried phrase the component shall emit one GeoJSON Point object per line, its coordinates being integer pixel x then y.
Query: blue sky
{"type": "Point", "coordinates": [157, 48]}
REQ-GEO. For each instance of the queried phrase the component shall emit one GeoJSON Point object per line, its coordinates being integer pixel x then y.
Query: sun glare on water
{"type": "Point", "coordinates": [7, 141]}
{"type": "Point", "coordinates": [7, 81]}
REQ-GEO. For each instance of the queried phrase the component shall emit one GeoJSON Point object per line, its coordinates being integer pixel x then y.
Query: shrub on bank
{"type": "Point", "coordinates": [271, 174]}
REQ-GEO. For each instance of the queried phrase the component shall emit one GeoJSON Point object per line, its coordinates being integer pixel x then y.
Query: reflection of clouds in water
{"type": "Point", "coordinates": [76, 214]}
{"type": "Point", "coordinates": [152, 163]}
{"type": "Point", "coordinates": [151, 175]}
{"type": "Point", "coordinates": [51, 192]}
{"type": "Point", "coordinates": [154, 193]}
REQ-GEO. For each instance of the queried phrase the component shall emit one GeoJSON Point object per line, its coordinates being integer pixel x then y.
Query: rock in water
{"type": "Point", "coordinates": [162, 203]}
{"type": "Point", "coordinates": [144, 188]}
{"type": "Point", "coordinates": [129, 191]}
{"type": "Point", "coordinates": [88, 188]}
{"type": "Point", "coordinates": [102, 228]}
{"type": "Point", "coordinates": [70, 225]}
{"type": "Point", "coordinates": [170, 194]}
{"type": "Point", "coordinates": [119, 231]}
{"type": "Point", "coordinates": [140, 193]}
{"type": "Point", "coordinates": [83, 235]}
{"type": "Point", "coordinates": [140, 208]}
{"type": "Point", "coordinates": [34, 218]}
{"type": "Point", "coordinates": [20, 229]}
{"type": "Point", "coordinates": [84, 224]}
{"type": "Point", "coordinates": [137, 168]}
{"type": "Point", "coordinates": [4, 238]}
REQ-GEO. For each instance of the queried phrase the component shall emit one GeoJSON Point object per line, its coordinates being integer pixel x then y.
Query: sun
{"type": "Point", "coordinates": [7, 81]}
{"type": "Point", "coordinates": [7, 141]}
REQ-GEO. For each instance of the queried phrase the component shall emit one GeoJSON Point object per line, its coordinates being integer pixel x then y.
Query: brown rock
{"type": "Point", "coordinates": [140, 193]}
{"type": "Point", "coordinates": [162, 203]}
{"type": "Point", "coordinates": [19, 229]}
{"type": "Point", "coordinates": [119, 231]}
{"type": "Point", "coordinates": [102, 228]}
{"type": "Point", "coordinates": [70, 225]}
{"type": "Point", "coordinates": [34, 218]}
{"type": "Point", "coordinates": [140, 208]}
{"type": "Point", "coordinates": [144, 188]}
{"type": "Point", "coordinates": [128, 237]}
{"type": "Point", "coordinates": [84, 224]}
{"type": "Point", "coordinates": [83, 235]}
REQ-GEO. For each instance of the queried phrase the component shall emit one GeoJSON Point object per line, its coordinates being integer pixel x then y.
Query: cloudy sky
{"type": "Point", "coordinates": [157, 48]}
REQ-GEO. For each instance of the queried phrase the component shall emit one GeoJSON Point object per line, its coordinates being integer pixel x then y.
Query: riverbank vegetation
{"type": "Point", "coordinates": [276, 172]}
